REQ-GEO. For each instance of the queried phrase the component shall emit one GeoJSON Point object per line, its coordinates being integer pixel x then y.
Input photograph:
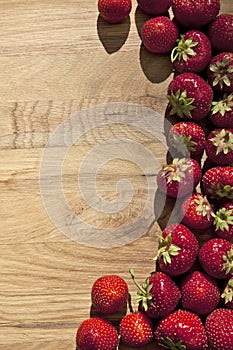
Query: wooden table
{"type": "Point", "coordinates": [59, 65]}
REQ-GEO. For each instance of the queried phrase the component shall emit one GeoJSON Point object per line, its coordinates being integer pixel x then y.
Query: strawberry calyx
{"type": "Point", "coordinates": [166, 249]}
{"type": "Point", "coordinates": [167, 343]}
{"type": "Point", "coordinates": [223, 106]}
{"type": "Point", "coordinates": [223, 218]}
{"type": "Point", "coordinates": [183, 49]}
{"type": "Point", "coordinates": [227, 294]}
{"type": "Point", "coordinates": [228, 264]}
{"type": "Point", "coordinates": [204, 207]}
{"type": "Point", "coordinates": [222, 71]}
{"type": "Point", "coordinates": [222, 191]}
{"type": "Point", "coordinates": [176, 170]}
{"type": "Point", "coordinates": [222, 140]}
{"type": "Point", "coordinates": [181, 104]}
{"type": "Point", "coordinates": [184, 144]}
{"type": "Point", "coordinates": [144, 295]}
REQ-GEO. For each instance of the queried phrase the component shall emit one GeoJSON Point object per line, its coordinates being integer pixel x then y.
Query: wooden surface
{"type": "Point", "coordinates": [58, 58]}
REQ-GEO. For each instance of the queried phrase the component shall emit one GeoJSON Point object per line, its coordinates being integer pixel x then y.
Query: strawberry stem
{"type": "Point", "coordinates": [143, 294]}
{"type": "Point", "coordinates": [169, 344]}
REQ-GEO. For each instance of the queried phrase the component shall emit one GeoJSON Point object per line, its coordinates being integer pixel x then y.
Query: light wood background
{"type": "Point", "coordinates": [56, 59]}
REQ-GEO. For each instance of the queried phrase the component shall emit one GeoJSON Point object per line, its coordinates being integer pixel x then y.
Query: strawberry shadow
{"type": "Point", "coordinates": [113, 36]}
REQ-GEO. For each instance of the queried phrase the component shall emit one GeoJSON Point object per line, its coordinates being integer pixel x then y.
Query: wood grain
{"type": "Point", "coordinates": [57, 59]}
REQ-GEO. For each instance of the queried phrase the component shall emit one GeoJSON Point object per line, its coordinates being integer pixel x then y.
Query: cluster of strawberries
{"type": "Point", "coordinates": [187, 302]}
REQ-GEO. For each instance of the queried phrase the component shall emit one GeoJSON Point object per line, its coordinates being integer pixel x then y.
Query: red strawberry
{"type": "Point", "coordinates": [216, 258]}
{"type": "Point", "coordinates": [220, 72]}
{"type": "Point", "coordinates": [159, 34]}
{"type": "Point", "coordinates": [195, 14]}
{"type": "Point", "coordinates": [196, 212]}
{"type": "Point", "coordinates": [219, 329]}
{"type": "Point", "coordinates": [189, 96]}
{"type": "Point", "coordinates": [179, 178]}
{"type": "Point", "coordinates": [217, 183]}
{"type": "Point", "coordinates": [221, 114]}
{"type": "Point", "coordinates": [109, 293]}
{"type": "Point", "coordinates": [223, 221]}
{"type": "Point", "coordinates": [154, 7]}
{"type": "Point", "coordinates": [177, 251]}
{"type": "Point", "coordinates": [158, 296]}
{"type": "Point", "coordinates": [219, 146]}
{"type": "Point", "coordinates": [136, 329]}
{"type": "Point", "coordinates": [182, 329]}
{"type": "Point", "coordinates": [113, 11]}
{"type": "Point", "coordinates": [96, 334]}
{"type": "Point", "coordinates": [227, 294]}
{"type": "Point", "coordinates": [192, 53]}
{"type": "Point", "coordinates": [199, 293]}
{"type": "Point", "coordinates": [187, 138]}
{"type": "Point", "coordinates": [220, 32]}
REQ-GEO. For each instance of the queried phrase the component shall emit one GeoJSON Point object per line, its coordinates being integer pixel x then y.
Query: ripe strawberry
{"type": "Point", "coordinates": [136, 329]}
{"type": "Point", "coordinates": [179, 178]}
{"type": "Point", "coordinates": [196, 212]}
{"type": "Point", "coordinates": [109, 293]}
{"type": "Point", "coordinates": [159, 34]}
{"type": "Point", "coordinates": [223, 221]}
{"type": "Point", "coordinates": [182, 329]}
{"type": "Point", "coordinates": [195, 14]}
{"type": "Point", "coordinates": [187, 138]}
{"type": "Point", "coordinates": [217, 183]}
{"type": "Point", "coordinates": [220, 72]}
{"type": "Point", "coordinates": [113, 11]}
{"type": "Point", "coordinates": [227, 294]}
{"type": "Point", "coordinates": [192, 53]}
{"type": "Point", "coordinates": [154, 7]}
{"type": "Point", "coordinates": [220, 32]}
{"type": "Point", "coordinates": [96, 334]}
{"type": "Point", "coordinates": [199, 293]}
{"type": "Point", "coordinates": [189, 96]}
{"type": "Point", "coordinates": [219, 146]}
{"type": "Point", "coordinates": [216, 258]}
{"type": "Point", "coordinates": [158, 296]}
{"type": "Point", "coordinates": [221, 114]}
{"type": "Point", "coordinates": [219, 329]}
{"type": "Point", "coordinates": [177, 251]}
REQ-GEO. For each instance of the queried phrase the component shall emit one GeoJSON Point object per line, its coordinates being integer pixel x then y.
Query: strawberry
{"type": "Point", "coordinates": [220, 72]}
{"type": "Point", "coordinates": [223, 221]}
{"type": "Point", "coordinates": [136, 329]}
{"type": "Point", "coordinates": [219, 329]}
{"type": "Point", "coordinates": [158, 296]}
{"type": "Point", "coordinates": [182, 329]}
{"type": "Point", "coordinates": [219, 146]}
{"type": "Point", "coordinates": [114, 11]}
{"type": "Point", "coordinates": [196, 212]}
{"type": "Point", "coordinates": [187, 137]}
{"type": "Point", "coordinates": [96, 334]}
{"type": "Point", "coordinates": [177, 251]}
{"type": "Point", "coordinates": [220, 32]}
{"type": "Point", "coordinates": [195, 14]}
{"type": "Point", "coordinates": [154, 7]}
{"type": "Point", "coordinates": [216, 258]}
{"type": "Point", "coordinates": [192, 53]}
{"type": "Point", "coordinates": [217, 183]}
{"type": "Point", "coordinates": [179, 178]}
{"type": "Point", "coordinates": [190, 96]}
{"type": "Point", "coordinates": [159, 34]}
{"type": "Point", "coordinates": [221, 114]}
{"type": "Point", "coordinates": [199, 293]}
{"type": "Point", "coordinates": [109, 293]}
{"type": "Point", "coordinates": [227, 294]}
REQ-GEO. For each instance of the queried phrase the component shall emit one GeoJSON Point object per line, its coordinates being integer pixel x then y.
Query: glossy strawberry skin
{"type": "Point", "coordinates": [201, 56]}
{"type": "Point", "coordinates": [184, 326]}
{"type": "Point", "coordinates": [211, 257]}
{"type": "Point", "coordinates": [154, 7]}
{"type": "Point", "coordinates": [213, 151]}
{"type": "Point", "coordinates": [199, 293]}
{"type": "Point", "coordinates": [224, 64]}
{"type": "Point", "coordinates": [136, 329]}
{"type": "Point", "coordinates": [220, 32]}
{"type": "Point", "coordinates": [219, 329]}
{"type": "Point", "coordinates": [159, 34]}
{"type": "Point", "coordinates": [96, 334]}
{"type": "Point", "coordinates": [183, 238]}
{"type": "Point", "coordinates": [197, 89]}
{"type": "Point", "coordinates": [114, 11]}
{"type": "Point", "coordinates": [195, 14]}
{"type": "Point", "coordinates": [109, 294]}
